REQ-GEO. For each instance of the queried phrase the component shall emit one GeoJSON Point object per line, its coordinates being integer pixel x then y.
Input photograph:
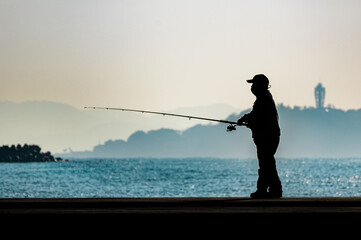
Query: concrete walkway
{"type": "Point", "coordinates": [182, 206]}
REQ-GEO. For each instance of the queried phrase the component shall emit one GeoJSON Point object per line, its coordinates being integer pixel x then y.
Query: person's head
{"type": "Point", "coordinates": [260, 84]}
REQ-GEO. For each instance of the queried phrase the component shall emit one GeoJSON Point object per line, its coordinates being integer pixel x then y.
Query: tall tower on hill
{"type": "Point", "coordinates": [320, 93]}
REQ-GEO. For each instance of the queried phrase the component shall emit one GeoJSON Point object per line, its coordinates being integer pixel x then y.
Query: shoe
{"type": "Point", "coordinates": [275, 193]}
{"type": "Point", "coordinates": [260, 194]}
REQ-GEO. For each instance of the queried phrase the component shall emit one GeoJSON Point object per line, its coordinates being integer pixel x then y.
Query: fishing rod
{"type": "Point", "coordinates": [230, 127]}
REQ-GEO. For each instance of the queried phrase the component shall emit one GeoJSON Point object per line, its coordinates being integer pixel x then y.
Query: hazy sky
{"type": "Point", "coordinates": [164, 54]}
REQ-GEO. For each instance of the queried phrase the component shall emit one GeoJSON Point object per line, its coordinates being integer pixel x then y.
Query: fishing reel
{"type": "Point", "coordinates": [231, 128]}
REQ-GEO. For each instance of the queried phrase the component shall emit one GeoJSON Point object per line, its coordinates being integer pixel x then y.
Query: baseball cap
{"type": "Point", "coordinates": [259, 78]}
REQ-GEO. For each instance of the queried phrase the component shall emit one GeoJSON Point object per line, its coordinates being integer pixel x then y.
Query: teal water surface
{"type": "Point", "coordinates": [193, 177]}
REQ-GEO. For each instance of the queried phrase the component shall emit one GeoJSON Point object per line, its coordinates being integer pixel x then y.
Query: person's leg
{"type": "Point", "coordinates": [261, 186]}
{"type": "Point", "coordinates": [267, 173]}
{"type": "Point", "coordinates": [262, 182]}
{"type": "Point", "coordinates": [273, 180]}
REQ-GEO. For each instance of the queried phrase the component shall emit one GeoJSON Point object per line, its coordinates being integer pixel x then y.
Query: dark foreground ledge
{"type": "Point", "coordinates": [174, 216]}
{"type": "Point", "coordinates": [207, 214]}
{"type": "Point", "coordinates": [181, 206]}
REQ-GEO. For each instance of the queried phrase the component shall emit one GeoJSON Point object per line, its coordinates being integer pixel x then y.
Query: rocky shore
{"type": "Point", "coordinates": [26, 153]}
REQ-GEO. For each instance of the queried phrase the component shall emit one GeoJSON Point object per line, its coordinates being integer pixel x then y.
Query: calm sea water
{"type": "Point", "coordinates": [175, 178]}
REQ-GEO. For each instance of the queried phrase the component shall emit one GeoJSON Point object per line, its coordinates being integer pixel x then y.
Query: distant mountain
{"type": "Point", "coordinates": [60, 128]}
{"type": "Point", "coordinates": [306, 132]}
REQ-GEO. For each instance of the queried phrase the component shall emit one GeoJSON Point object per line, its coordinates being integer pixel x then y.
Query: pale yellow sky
{"type": "Point", "coordinates": [164, 54]}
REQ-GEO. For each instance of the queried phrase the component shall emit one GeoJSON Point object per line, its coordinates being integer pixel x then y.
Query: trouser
{"type": "Point", "coordinates": [267, 173]}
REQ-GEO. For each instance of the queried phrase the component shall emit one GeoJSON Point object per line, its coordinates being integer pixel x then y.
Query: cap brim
{"type": "Point", "coordinates": [250, 81]}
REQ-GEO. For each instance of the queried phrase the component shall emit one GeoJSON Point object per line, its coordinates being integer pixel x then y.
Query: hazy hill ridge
{"type": "Point", "coordinates": [60, 128]}
{"type": "Point", "coordinates": [306, 132]}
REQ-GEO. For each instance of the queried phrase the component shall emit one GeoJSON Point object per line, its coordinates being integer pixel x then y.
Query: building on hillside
{"type": "Point", "coordinates": [320, 93]}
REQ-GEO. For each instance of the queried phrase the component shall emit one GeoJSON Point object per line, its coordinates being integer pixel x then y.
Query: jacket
{"type": "Point", "coordinates": [263, 119]}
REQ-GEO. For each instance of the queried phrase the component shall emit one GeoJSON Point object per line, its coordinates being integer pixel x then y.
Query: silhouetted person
{"type": "Point", "coordinates": [263, 121]}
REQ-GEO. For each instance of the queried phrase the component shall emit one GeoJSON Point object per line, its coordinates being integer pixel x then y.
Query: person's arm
{"type": "Point", "coordinates": [246, 118]}
{"type": "Point", "coordinates": [249, 118]}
